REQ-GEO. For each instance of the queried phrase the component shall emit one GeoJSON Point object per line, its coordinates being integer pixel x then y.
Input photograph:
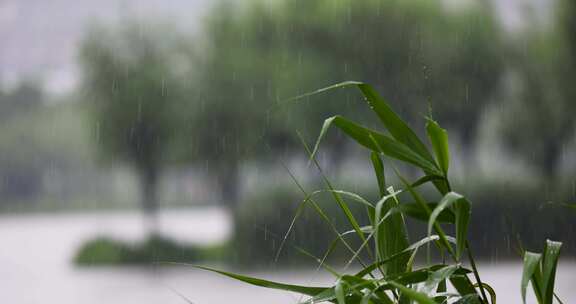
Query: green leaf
{"type": "Point", "coordinates": [343, 206]}
{"type": "Point", "coordinates": [490, 290]}
{"type": "Point", "coordinates": [420, 201]}
{"type": "Point", "coordinates": [462, 213]}
{"type": "Point", "coordinates": [438, 276]}
{"type": "Point", "coordinates": [531, 264]}
{"type": "Point", "coordinates": [352, 283]}
{"type": "Point", "coordinates": [377, 142]}
{"type": "Point", "coordinates": [394, 124]}
{"type": "Point", "coordinates": [469, 299]}
{"type": "Point", "coordinates": [549, 265]}
{"type": "Point", "coordinates": [439, 140]}
{"type": "Point", "coordinates": [463, 285]}
{"type": "Point", "coordinates": [351, 195]}
{"type": "Point", "coordinates": [414, 210]}
{"type": "Point", "coordinates": [391, 236]}
{"type": "Point", "coordinates": [379, 171]}
{"type": "Point", "coordinates": [410, 249]}
{"type": "Point", "coordinates": [419, 297]}
{"type": "Point", "coordinates": [306, 290]}
{"type": "Point", "coordinates": [325, 296]}
{"type": "Point", "coordinates": [427, 178]}
{"type": "Point", "coordinates": [340, 293]}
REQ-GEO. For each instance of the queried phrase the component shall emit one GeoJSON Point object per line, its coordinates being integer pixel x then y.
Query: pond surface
{"type": "Point", "coordinates": [36, 250]}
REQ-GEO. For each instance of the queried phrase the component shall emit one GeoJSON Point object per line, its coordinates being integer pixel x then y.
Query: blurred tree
{"type": "Point", "coordinates": [27, 95]}
{"type": "Point", "coordinates": [540, 120]}
{"type": "Point", "coordinates": [134, 76]}
{"type": "Point", "coordinates": [415, 52]}
{"type": "Point", "coordinates": [21, 159]}
{"type": "Point", "coordinates": [260, 53]}
{"type": "Point", "coordinates": [233, 122]}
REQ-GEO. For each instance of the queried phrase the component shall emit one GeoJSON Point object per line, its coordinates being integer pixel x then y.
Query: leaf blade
{"type": "Point", "coordinates": [439, 140]}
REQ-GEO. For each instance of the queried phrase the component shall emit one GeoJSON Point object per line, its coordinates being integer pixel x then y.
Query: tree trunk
{"type": "Point", "coordinates": [228, 181]}
{"type": "Point", "coordinates": [550, 160]}
{"type": "Point", "coordinates": [149, 198]}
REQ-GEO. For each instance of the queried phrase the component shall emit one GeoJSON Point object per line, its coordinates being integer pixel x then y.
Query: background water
{"type": "Point", "coordinates": [35, 262]}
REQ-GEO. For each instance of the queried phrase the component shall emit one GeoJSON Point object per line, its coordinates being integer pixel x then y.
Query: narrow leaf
{"type": "Point", "coordinates": [379, 171]}
{"type": "Point", "coordinates": [549, 265]}
{"type": "Point", "coordinates": [394, 124]}
{"type": "Point", "coordinates": [439, 140]}
{"type": "Point", "coordinates": [418, 297]}
{"type": "Point", "coordinates": [531, 263]}
{"type": "Point", "coordinates": [306, 290]}
{"type": "Point", "coordinates": [462, 212]}
{"type": "Point", "coordinates": [376, 141]}
{"type": "Point", "coordinates": [391, 236]}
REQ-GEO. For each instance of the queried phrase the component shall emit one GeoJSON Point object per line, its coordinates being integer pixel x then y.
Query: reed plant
{"type": "Point", "coordinates": [390, 268]}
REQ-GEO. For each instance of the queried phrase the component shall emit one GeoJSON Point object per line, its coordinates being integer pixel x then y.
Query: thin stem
{"type": "Point", "coordinates": [558, 298]}
{"type": "Point", "coordinates": [476, 274]}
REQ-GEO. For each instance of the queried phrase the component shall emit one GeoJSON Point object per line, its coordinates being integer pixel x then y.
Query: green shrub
{"type": "Point", "coordinates": [155, 249]}
{"type": "Point", "coordinates": [388, 274]}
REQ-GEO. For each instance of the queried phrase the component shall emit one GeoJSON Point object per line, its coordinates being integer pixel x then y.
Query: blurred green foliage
{"type": "Point", "coordinates": [539, 121]}
{"type": "Point", "coordinates": [413, 51]}
{"type": "Point", "coordinates": [259, 54]}
{"type": "Point", "coordinates": [155, 249]}
{"type": "Point", "coordinates": [509, 209]}
{"type": "Point", "coordinates": [133, 77]}
{"type": "Point", "coordinates": [37, 137]}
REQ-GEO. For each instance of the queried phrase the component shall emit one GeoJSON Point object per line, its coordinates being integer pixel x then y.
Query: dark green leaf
{"type": "Point", "coordinates": [463, 284]}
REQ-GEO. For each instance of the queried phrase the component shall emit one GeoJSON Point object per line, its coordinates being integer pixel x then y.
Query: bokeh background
{"type": "Point", "coordinates": [139, 132]}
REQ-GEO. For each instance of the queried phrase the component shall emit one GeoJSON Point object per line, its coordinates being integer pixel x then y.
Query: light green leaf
{"type": "Point", "coordinates": [419, 297]}
{"type": "Point", "coordinates": [439, 140]}
{"type": "Point", "coordinates": [438, 276]}
{"type": "Point", "coordinates": [379, 171]}
{"type": "Point", "coordinates": [377, 142]}
{"type": "Point", "coordinates": [549, 265]}
{"type": "Point", "coordinates": [391, 236]}
{"type": "Point", "coordinates": [531, 264]}
{"type": "Point", "coordinates": [306, 290]}
{"type": "Point", "coordinates": [394, 124]}
{"type": "Point", "coordinates": [340, 293]}
{"type": "Point", "coordinates": [462, 213]}
{"type": "Point", "coordinates": [414, 210]}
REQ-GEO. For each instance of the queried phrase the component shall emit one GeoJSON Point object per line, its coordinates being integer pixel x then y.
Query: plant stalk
{"type": "Point", "coordinates": [476, 274]}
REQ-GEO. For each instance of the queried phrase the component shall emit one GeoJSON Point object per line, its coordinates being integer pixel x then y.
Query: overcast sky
{"type": "Point", "coordinates": [38, 38]}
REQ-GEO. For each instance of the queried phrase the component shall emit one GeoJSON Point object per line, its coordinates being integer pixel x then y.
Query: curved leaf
{"type": "Point", "coordinates": [377, 142]}
{"type": "Point", "coordinates": [306, 290]}
{"type": "Point", "coordinates": [462, 213]}
{"type": "Point", "coordinates": [531, 264]}
{"type": "Point", "coordinates": [549, 265]}
{"type": "Point", "coordinates": [439, 140]}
